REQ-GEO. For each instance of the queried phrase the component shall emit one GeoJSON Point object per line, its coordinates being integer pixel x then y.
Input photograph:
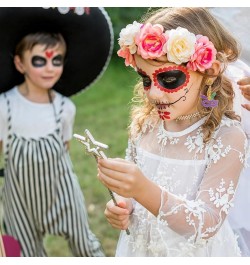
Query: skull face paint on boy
{"type": "Point", "coordinates": [172, 88]}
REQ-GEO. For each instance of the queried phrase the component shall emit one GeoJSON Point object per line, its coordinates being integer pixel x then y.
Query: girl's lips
{"type": "Point", "coordinates": [162, 106]}
{"type": "Point", "coordinates": [164, 112]}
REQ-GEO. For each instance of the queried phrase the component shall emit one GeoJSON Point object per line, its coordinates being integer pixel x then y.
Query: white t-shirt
{"type": "Point", "coordinates": [34, 120]}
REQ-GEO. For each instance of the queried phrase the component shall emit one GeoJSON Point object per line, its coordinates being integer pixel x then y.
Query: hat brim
{"type": "Point", "coordinates": [89, 39]}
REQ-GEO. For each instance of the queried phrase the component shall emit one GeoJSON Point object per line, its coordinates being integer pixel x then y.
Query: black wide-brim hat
{"type": "Point", "coordinates": [88, 34]}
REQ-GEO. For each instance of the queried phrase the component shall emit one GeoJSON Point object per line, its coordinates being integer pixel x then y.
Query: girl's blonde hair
{"type": "Point", "coordinates": [198, 21]}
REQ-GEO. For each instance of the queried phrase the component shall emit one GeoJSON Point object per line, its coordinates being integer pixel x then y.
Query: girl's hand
{"type": "Point", "coordinates": [125, 179]}
{"type": "Point", "coordinates": [118, 216]}
{"type": "Point", "coordinates": [121, 176]}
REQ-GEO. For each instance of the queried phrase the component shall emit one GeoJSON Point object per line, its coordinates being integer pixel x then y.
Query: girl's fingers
{"type": "Point", "coordinates": [118, 217]}
{"type": "Point", "coordinates": [119, 226]}
{"type": "Point", "coordinates": [115, 217]}
{"type": "Point", "coordinates": [122, 204]}
{"type": "Point", "coordinates": [122, 160]}
{"type": "Point", "coordinates": [115, 164]}
{"type": "Point", "coordinates": [111, 173]}
{"type": "Point", "coordinates": [116, 211]}
{"type": "Point", "coordinates": [111, 183]}
{"type": "Point", "coordinates": [118, 221]}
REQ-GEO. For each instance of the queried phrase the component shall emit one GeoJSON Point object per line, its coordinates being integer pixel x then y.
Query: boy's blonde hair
{"type": "Point", "coordinates": [198, 21]}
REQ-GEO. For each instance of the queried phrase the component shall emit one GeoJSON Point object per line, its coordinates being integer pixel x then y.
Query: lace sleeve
{"type": "Point", "coordinates": [202, 217]}
{"type": "Point", "coordinates": [131, 152]}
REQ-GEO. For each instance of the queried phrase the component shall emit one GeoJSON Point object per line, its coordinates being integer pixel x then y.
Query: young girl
{"type": "Point", "coordinates": [186, 146]}
{"type": "Point", "coordinates": [41, 193]}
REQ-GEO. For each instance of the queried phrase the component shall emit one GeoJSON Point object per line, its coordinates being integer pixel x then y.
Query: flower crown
{"type": "Point", "coordinates": [181, 46]}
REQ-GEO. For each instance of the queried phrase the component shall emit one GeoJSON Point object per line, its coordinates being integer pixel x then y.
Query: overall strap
{"type": "Point", "coordinates": [9, 127]}
{"type": "Point", "coordinates": [58, 116]}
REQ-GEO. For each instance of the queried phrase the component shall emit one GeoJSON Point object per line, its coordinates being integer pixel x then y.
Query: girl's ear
{"type": "Point", "coordinates": [215, 69]}
{"type": "Point", "coordinates": [18, 64]}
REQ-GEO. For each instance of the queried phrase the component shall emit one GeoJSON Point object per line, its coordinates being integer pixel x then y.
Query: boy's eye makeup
{"type": "Point", "coordinates": [57, 60]}
{"type": "Point", "coordinates": [40, 61]}
{"type": "Point", "coordinates": [145, 79]}
{"type": "Point", "coordinates": [171, 79]}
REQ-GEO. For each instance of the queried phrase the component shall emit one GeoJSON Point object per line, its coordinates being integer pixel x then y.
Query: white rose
{"type": "Point", "coordinates": [180, 45]}
{"type": "Point", "coordinates": [127, 36]}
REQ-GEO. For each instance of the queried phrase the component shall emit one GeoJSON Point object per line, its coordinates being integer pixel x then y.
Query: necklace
{"type": "Point", "coordinates": [187, 117]}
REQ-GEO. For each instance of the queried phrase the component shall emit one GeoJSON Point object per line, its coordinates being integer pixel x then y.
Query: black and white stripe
{"type": "Point", "coordinates": [42, 195]}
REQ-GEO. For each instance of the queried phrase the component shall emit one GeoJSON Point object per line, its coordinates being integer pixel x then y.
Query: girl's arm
{"type": "Point", "coordinates": [198, 218]}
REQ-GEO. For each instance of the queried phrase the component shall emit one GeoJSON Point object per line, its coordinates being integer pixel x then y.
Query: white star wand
{"type": "Point", "coordinates": [95, 148]}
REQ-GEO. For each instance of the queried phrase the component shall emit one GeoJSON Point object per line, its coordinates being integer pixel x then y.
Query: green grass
{"type": "Point", "coordinates": [104, 110]}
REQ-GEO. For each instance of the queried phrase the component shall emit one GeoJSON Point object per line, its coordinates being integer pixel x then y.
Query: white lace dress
{"type": "Point", "coordinates": [198, 182]}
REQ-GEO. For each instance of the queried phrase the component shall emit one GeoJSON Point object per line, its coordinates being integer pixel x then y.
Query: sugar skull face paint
{"type": "Point", "coordinates": [42, 72]}
{"type": "Point", "coordinates": [171, 89]}
{"type": "Point", "coordinates": [164, 115]}
{"type": "Point", "coordinates": [49, 54]}
{"type": "Point", "coordinates": [145, 79]}
{"type": "Point", "coordinates": [171, 79]}
{"type": "Point", "coordinates": [168, 79]}
{"type": "Point", "coordinates": [168, 104]}
{"type": "Point", "coordinates": [40, 61]}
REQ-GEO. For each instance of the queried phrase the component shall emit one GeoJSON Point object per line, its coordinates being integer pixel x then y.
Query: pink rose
{"type": "Point", "coordinates": [150, 41]}
{"type": "Point", "coordinates": [129, 58]}
{"type": "Point", "coordinates": [204, 55]}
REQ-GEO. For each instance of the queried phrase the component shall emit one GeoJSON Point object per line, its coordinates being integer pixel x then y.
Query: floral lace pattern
{"type": "Point", "coordinates": [194, 142]}
{"type": "Point", "coordinates": [198, 184]}
{"type": "Point", "coordinates": [164, 138]}
{"type": "Point", "coordinates": [221, 196]}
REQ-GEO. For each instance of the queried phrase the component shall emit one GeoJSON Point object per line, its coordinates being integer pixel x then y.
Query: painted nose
{"type": "Point", "coordinates": [155, 93]}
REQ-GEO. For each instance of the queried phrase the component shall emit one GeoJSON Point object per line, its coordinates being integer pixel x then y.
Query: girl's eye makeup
{"type": "Point", "coordinates": [145, 79]}
{"type": "Point", "coordinates": [39, 61]}
{"type": "Point", "coordinates": [171, 79]}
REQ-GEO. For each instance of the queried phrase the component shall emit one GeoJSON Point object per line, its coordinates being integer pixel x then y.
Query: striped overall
{"type": "Point", "coordinates": [41, 194]}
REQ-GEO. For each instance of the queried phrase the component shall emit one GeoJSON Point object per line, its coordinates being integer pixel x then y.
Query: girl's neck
{"type": "Point", "coordinates": [182, 123]}
{"type": "Point", "coordinates": [34, 94]}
